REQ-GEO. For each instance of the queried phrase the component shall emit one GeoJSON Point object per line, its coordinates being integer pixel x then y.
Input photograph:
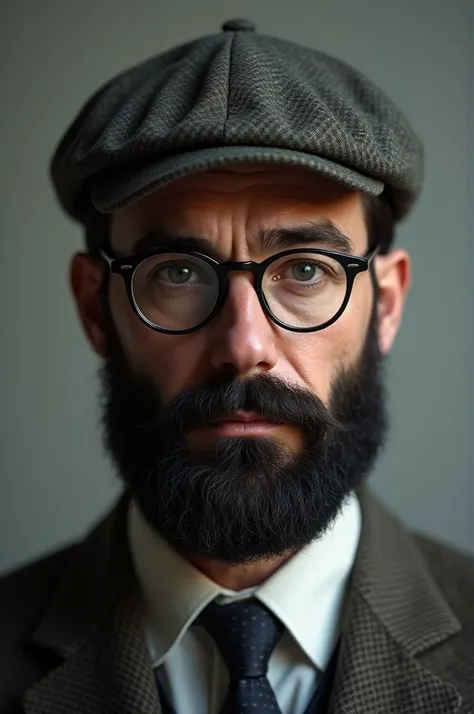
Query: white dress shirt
{"type": "Point", "coordinates": [307, 594]}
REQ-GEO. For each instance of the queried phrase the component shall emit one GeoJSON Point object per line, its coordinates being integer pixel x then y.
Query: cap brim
{"type": "Point", "coordinates": [121, 186]}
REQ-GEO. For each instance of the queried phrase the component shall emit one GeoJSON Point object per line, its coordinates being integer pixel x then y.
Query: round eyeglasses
{"type": "Point", "coordinates": [178, 292]}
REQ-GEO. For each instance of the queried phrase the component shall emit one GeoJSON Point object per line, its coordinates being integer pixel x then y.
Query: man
{"type": "Point", "coordinates": [239, 196]}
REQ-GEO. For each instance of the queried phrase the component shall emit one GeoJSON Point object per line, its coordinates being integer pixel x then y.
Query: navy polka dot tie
{"type": "Point", "coordinates": [245, 634]}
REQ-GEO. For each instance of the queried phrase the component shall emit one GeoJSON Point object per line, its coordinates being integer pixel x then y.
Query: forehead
{"type": "Point", "coordinates": [240, 199]}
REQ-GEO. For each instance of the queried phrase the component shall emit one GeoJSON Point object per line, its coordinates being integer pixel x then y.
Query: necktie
{"type": "Point", "coordinates": [245, 634]}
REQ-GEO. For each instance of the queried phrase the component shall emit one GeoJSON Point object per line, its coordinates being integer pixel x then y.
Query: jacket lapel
{"type": "Point", "coordinates": [395, 613]}
{"type": "Point", "coordinates": [95, 623]}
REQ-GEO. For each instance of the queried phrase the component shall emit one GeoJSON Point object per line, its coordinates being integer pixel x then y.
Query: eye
{"type": "Point", "coordinates": [177, 274]}
{"type": "Point", "coordinates": [306, 271]}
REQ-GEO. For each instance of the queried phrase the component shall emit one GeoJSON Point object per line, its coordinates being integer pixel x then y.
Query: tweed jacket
{"type": "Point", "coordinates": [72, 642]}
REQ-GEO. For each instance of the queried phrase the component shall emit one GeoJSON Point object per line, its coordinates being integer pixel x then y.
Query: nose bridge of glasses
{"type": "Point", "coordinates": [245, 266]}
{"type": "Point", "coordinates": [240, 266]}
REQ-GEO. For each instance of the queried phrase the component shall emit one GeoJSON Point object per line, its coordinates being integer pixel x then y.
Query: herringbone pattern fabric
{"type": "Point", "coordinates": [375, 653]}
{"type": "Point", "coordinates": [235, 96]}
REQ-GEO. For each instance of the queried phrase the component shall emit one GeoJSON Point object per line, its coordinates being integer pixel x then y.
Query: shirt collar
{"type": "Point", "coordinates": [309, 588]}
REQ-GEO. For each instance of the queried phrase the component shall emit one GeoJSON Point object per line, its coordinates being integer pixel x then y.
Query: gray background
{"type": "Point", "coordinates": [55, 479]}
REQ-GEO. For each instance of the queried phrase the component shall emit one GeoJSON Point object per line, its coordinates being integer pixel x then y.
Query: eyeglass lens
{"type": "Point", "coordinates": [177, 292]}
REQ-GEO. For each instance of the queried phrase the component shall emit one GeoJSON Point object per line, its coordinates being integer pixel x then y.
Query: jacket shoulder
{"type": "Point", "coordinates": [24, 593]}
{"type": "Point", "coordinates": [453, 573]}
{"type": "Point", "coordinates": [453, 570]}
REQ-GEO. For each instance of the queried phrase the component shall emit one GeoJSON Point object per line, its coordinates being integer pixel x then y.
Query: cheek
{"type": "Point", "coordinates": [171, 361]}
{"type": "Point", "coordinates": [318, 357]}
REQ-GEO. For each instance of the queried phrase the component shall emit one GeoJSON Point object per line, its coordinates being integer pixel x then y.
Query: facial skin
{"type": "Point", "coordinates": [228, 208]}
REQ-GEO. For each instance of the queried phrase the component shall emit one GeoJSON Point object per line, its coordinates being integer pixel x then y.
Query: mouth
{"type": "Point", "coordinates": [244, 423]}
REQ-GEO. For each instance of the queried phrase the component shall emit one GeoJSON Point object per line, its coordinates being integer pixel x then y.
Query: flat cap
{"type": "Point", "coordinates": [235, 96]}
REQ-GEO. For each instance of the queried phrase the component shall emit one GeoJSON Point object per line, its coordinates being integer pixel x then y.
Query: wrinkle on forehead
{"type": "Point", "coordinates": [228, 203]}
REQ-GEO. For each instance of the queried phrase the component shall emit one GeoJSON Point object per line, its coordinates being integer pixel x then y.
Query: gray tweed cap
{"type": "Point", "coordinates": [232, 97]}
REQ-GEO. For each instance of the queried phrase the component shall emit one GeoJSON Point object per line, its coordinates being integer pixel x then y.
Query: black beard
{"type": "Point", "coordinates": [246, 498]}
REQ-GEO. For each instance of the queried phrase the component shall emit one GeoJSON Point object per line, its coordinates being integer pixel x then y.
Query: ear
{"type": "Point", "coordinates": [393, 273]}
{"type": "Point", "coordinates": [85, 278]}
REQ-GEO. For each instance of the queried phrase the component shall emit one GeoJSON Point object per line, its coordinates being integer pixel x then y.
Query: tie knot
{"type": "Point", "coordinates": [245, 634]}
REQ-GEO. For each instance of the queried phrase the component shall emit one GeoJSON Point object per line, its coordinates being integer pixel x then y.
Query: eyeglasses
{"type": "Point", "coordinates": [178, 292]}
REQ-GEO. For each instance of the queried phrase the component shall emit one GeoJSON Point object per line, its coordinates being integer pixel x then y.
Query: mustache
{"type": "Point", "coordinates": [271, 397]}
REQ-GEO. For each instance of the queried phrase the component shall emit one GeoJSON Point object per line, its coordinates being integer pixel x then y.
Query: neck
{"type": "Point", "coordinates": [238, 577]}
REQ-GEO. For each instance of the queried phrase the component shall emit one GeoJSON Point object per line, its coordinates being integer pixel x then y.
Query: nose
{"type": "Point", "coordinates": [245, 340]}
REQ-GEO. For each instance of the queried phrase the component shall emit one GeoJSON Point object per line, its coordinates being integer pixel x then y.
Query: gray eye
{"type": "Point", "coordinates": [304, 271]}
{"type": "Point", "coordinates": [178, 274]}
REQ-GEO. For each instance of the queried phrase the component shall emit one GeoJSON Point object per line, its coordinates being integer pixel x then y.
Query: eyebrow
{"type": "Point", "coordinates": [323, 232]}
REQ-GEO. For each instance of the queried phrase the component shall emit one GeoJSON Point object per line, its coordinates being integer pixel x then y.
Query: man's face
{"type": "Point", "coordinates": [234, 493]}
{"type": "Point", "coordinates": [228, 208]}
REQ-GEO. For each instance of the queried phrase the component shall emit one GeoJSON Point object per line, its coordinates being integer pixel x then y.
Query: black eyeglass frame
{"type": "Point", "coordinates": [126, 267]}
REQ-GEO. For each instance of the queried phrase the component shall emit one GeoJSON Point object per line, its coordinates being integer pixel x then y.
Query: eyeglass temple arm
{"type": "Point", "coordinates": [370, 256]}
{"type": "Point", "coordinates": [108, 258]}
